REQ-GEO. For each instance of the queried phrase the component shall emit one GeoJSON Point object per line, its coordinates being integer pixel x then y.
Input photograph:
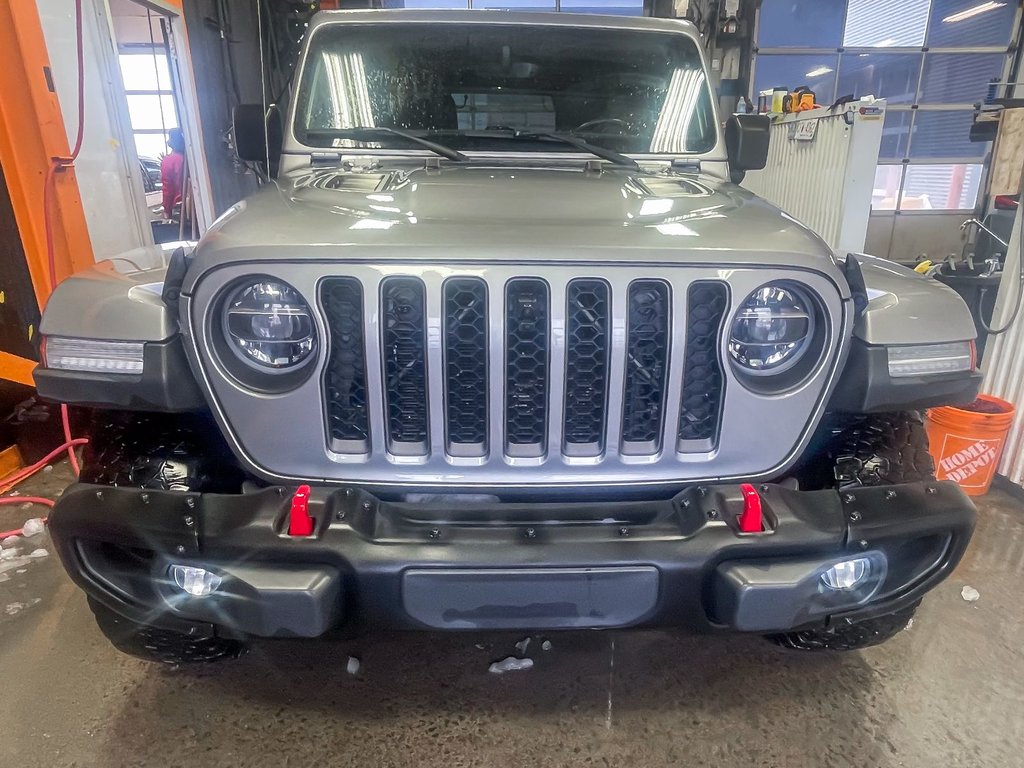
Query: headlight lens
{"type": "Point", "coordinates": [772, 329]}
{"type": "Point", "coordinates": [268, 324]}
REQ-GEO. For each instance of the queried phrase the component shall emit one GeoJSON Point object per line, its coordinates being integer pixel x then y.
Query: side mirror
{"type": "Point", "coordinates": [746, 142]}
{"type": "Point", "coordinates": [258, 134]}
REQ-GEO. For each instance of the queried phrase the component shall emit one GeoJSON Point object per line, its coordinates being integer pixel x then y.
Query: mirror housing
{"type": "Point", "coordinates": [746, 142]}
{"type": "Point", "coordinates": [258, 134]}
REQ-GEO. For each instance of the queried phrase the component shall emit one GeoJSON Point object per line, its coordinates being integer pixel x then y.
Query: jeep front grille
{"type": "Point", "coordinates": [458, 373]}
{"type": "Point", "coordinates": [529, 407]}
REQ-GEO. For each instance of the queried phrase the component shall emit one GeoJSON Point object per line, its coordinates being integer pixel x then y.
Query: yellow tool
{"type": "Point", "coordinates": [799, 100]}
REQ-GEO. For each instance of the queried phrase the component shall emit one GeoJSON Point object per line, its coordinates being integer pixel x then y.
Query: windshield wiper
{"type": "Point", "coordinates": [574, 141]}
{"type": "Point", "coordinates": [368, 133]}
{"type": "Point", "coordinates": [595, 149]}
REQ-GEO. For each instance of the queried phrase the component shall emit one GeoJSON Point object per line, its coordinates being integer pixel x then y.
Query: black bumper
{"type": "Point", "coordinates": [679, 562]}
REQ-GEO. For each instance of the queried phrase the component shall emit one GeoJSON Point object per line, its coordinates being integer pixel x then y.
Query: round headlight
{"type": "Point", "coordinates": [772, 329]}
{"type": "Point", "coordinates": [270, 326]}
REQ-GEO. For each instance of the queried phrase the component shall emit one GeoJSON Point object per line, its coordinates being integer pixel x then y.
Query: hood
{"type": "Point", "coordinates": [538, 212]}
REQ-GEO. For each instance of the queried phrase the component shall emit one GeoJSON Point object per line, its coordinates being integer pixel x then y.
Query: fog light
{"type": "Point", "coordinates": [197, 582]}
{"type": "Point", "coordinates": [847, 574]}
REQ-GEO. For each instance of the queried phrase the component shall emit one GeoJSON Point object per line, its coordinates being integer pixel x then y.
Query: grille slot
{"type": "Point", "coordinates": [526, 366]}
{"type": "Point", "coordinates": [586, 369]}
{"type": "Point", "coordinates": [494, 387]}
{"type": "Point", "coordinates": [647, 342]}
{"type": "Point", "coordinates": [465, 362]}
{"type": "Point", "coordinates": [403, 332]}
{"type": "Point", "coordinates": [348, 426]}
{"type": "Point", "coordinates": [703, 381]}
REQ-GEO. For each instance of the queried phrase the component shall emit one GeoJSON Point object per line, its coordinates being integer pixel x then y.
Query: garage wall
{"type": "Point", "coordinates": [903, 237]}
{"type": "Point", "coordinates": [1004, 363]}
{"type": "Point", "coordinates": [112, 196]}
{"type": "Point", "coordinates": [216, 58]}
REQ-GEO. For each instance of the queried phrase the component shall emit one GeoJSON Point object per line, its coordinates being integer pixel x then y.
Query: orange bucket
{"type": "Point", "coordinates": [967, 442]}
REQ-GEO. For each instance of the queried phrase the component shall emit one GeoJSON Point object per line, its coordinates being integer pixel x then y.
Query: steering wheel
{"type": "Point", "coordinates": [623, 125]}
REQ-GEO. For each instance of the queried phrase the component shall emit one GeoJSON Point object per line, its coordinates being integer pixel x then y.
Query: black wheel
{"type": "Point", "coordinates": [161, 645]}
{"type": "Point", "coordinates": [882, 449]}
{"type": "Point", "coordinates": [848, 635]}
{"type": "Point", "coordinates": [868, 450]}
{"type": "Point", "coordinates": [158, 452]}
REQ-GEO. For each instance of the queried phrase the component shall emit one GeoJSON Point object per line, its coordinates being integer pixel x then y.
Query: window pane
{"type": "Point", "coordinates": [145, 71]}
{"type": "Point", "coordinates": [965, 23]}
{"type": "Point", "coordinates": [145, 112]}
{"type": "Point", "coordinates": [895, 135]}
{"type": "Point", "coordinates": [887, 187]}
{"type": "Point", "coordinates": [786, 71]}
{"type": "Point", "coordinates": [885, 24]}
{"type": "Point", "coordinates": [426, 4]}
{"type": "Point", "coordinates": [944, 135]}
{"type": "Point", "coordinates": [609, 7]}
{"type": "Point", "coordinates": [151, 144]}
{"type": "Point", "coordinates": [941, 187]}
{"type": "Point", "coordinates": [891, 76]}
{"type": "Point", "coordinates": [959, 78]}
{"type": "Point", "coordinates": [480, 111]}
{"type": "Point", "coordinates": [633, 90]}
{"type": "Point", "coordinates": [516, 5]}
{"type": "Point", "coordinates": [788, 22]}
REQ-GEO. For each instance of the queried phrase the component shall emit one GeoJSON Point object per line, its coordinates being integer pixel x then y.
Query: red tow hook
{"type": "Point", "coordinates": [299, 521]}
{"type": "Point", "coordinates": [751, 520]}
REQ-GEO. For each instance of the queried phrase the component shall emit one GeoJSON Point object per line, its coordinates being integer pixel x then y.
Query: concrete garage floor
{"type": "Point", "coordinates": [947, 692]}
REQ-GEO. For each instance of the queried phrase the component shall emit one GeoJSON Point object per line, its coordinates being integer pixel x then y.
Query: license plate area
{"type": "Point", "coordinates": [530, 598]}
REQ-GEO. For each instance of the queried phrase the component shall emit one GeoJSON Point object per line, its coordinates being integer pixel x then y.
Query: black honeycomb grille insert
{"type": "Point", "coordinates": [526, 362]}
{"type": "Point", "coordinates": [646, 363]}
{"type": "Point", "coordinates": [465, 360]}
{"type": "Point", "coordinates": [403, 331]}
{"type": "Point", "coordinates": [703, 381]}
{"type": "Point", "coordinates": [345, 376]}
{"type": "Point", "coordinates": [586, 369]}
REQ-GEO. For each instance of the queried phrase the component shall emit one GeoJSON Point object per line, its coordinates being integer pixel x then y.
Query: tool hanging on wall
{"type": "Point", "coordinates": [799, 100]}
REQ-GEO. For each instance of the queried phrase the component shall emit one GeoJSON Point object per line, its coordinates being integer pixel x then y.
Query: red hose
{"type": "Point", "coordinates": [13, 479]}
{"type": "Point", "coordinates": [68, 440]}
{"type": "Point", "coordinates": [58, 164]}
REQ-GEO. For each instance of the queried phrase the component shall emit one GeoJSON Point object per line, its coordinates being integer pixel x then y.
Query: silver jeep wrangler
{"type": "Point", "coordinates": [500, 343]}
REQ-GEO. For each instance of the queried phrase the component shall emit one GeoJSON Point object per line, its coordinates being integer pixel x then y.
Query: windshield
{"type": "Point", "coordinates": [491, 87]}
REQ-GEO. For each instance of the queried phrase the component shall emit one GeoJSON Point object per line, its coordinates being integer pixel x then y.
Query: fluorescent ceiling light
{"type": "Point", "coordinates": [971, 12]}
{"type": "Point", "coordinates": [818, 72]}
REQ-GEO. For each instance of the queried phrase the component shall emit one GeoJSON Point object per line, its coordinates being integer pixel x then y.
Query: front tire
{"type": "Point", "coordinates": [848, 635]}
{"type": "Point", "coordinates": [882, 449]}
{"type": "Point", "coordinates": [162, 645]}
{"type": "Point", "coordinates": [869, 450]}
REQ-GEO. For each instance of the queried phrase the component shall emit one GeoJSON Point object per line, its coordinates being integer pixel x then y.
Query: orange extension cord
{"type": "Point", "coordinates": [57, 164]}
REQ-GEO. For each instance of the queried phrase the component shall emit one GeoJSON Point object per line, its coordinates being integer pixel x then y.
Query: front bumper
{"type": "Point", "coordinates": [471, 565]}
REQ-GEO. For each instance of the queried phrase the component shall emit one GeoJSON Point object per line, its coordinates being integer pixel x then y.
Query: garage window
{"type": "Point", "coordinates": [932, 60]}
{"type": "Point", "coordinates": [609, 7]}
{"type": "Point", "coordinates": [151, 105]}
